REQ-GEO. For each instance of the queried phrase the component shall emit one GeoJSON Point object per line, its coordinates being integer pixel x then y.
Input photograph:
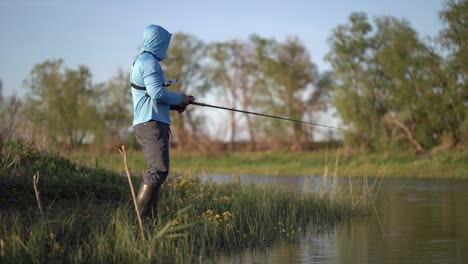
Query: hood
{"type": "Point", "coordinates": [156, 40]}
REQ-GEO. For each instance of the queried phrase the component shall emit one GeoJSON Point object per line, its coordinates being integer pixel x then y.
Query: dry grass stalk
{"type": "Point", "coordinates": [2, 248]}
{"type": "Point", "coordinates": [335, 174]}
{"type": "Point", "coordinates": [124, 157]}
{"type": "Point", "coordinates": [36, 190]}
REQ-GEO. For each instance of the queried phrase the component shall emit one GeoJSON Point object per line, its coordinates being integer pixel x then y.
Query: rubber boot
{"type": "Point", "coordinates": [144, 200]}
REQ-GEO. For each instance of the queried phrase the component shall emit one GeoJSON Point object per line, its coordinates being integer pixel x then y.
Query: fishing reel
{"type": "Point", "coordinates": [170, 82]}
{"type": "Point", "coordinates": [192, 99]}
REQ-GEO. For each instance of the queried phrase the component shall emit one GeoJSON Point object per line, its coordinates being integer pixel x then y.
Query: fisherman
{"type": "Point", "coordinates": [151, 120]}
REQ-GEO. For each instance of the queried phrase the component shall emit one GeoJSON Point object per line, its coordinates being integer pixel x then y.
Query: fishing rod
{"type": "Point", "coordinates": [192, 101]}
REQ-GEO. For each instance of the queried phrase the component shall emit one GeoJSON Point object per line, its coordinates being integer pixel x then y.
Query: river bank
{"type": "Point", "coordinates": [88, 215]}
{"type": "Point", "coordinates": [447, 165]}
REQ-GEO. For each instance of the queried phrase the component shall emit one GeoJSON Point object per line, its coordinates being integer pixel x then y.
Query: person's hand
{"type": "Point", "coordinates": [178, 108]}
{"type": "Point", "coordinates": [186, 100]}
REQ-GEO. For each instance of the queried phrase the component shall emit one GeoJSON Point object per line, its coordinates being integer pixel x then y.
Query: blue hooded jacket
{"type": "Point", "coordinates": [147, 72]}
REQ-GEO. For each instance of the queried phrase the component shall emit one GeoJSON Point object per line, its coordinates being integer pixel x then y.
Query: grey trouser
{"type": "Point", "coordinates": [154, 139]}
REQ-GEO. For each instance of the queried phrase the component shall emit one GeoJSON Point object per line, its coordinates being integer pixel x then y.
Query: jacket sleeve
{"type": "Point", "coordinates": [152, 77]}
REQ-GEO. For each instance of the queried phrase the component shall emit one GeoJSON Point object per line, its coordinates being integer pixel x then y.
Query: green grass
{"type": "Point", "coordinates": [89, 215]}
{"type": "Point", "coordinates": [450, 164]}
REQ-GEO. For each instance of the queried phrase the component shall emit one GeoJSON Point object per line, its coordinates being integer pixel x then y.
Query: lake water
{"type": "Point", "coordinates": [422, 221]}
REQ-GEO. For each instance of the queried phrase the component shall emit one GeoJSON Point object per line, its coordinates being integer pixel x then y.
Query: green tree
{"type": "Point", "coordinates": [228, 68]}
{"type": "Point", "coordinates": [268, 76]}
{"type": "Point", "coordinates": [61, 101]}
{"type": "Point", "coordinates": [184, 61]}
{"type": "Point", "coordinates": [355, 91]}
{"type": "Point", "coordinates": [10, 111]}
{"type": "Point", "coordinates": [318, 101]}
{"type": "Point", "coordinates": [256, 83]}
{"type": "Point", "coordinates": [408, 72]}
{"type": "Point", "coordinates": [454, 38]}
{"type": "Point", "coordinates": [240, 72]}
{"type": "Point", "coordinates": [224, 77]}
{"type": "Point", "coordinates": [293, 73]}
{"type": "Point", "coordinates": [391, 87]}
{"type": "Point", "coordinates": [455, 35]}
{"type": "Point", "coordinates": [115, 108]}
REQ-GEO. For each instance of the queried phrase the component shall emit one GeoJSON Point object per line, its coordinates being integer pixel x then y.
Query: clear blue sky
{"type": "Point", "coordinates": [104, 35]}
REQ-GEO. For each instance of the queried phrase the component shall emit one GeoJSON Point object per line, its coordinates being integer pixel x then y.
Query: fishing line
{"type": "Point", "coordinates": [265, 115]}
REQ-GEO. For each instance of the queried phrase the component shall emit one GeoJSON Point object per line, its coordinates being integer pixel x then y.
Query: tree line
{"type": "Point", "coordinates": [390, 89]}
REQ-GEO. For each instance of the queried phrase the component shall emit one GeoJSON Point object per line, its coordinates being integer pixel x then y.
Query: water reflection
{"type": "Point", "coordinates": [422, 221]}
